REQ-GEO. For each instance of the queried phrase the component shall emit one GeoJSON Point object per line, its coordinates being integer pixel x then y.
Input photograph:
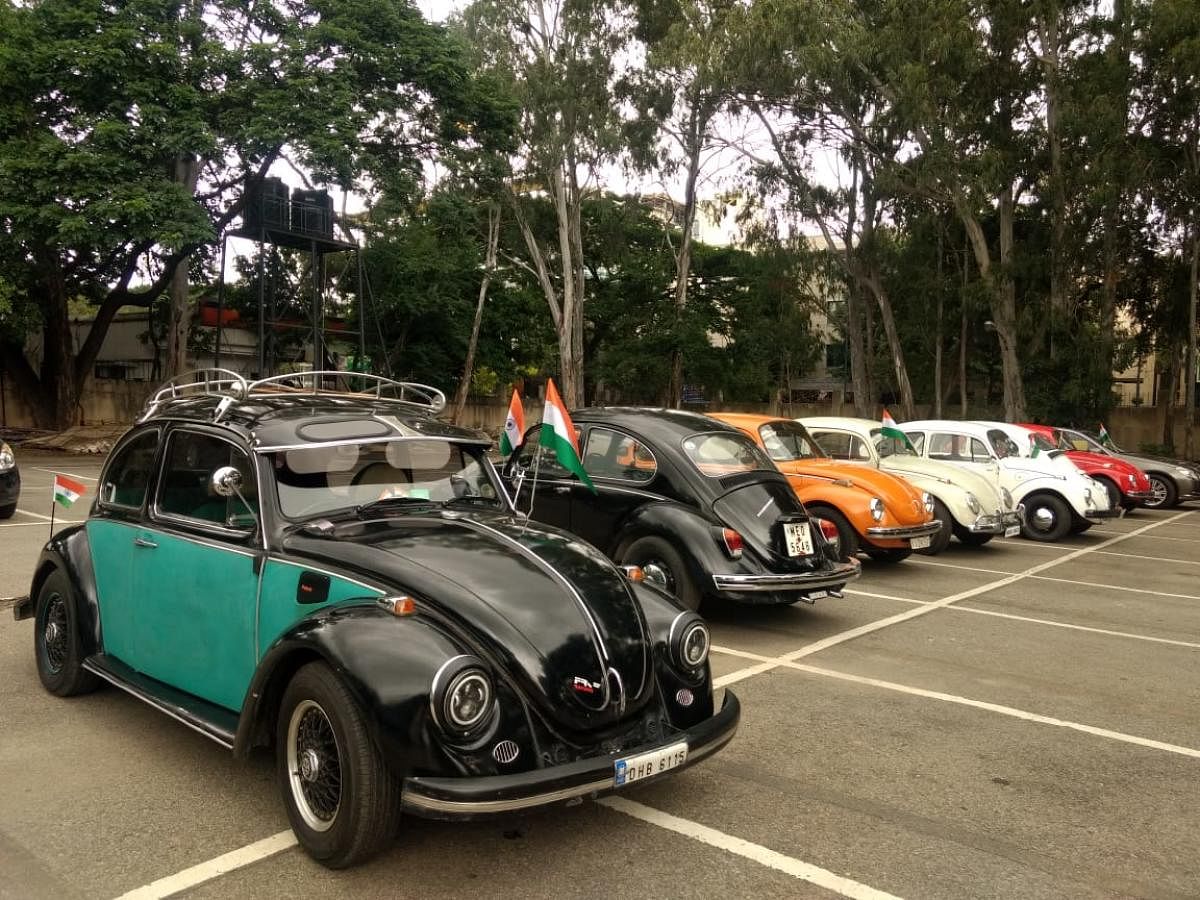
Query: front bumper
{"type": "Point", "coordinates": [998, 523]}
{"type": "Point", "coordinates": [905, 532]}
{"type": "Point", "coordinates": [1140, 496]}
{"type": "Point", "coordinates": [839, 575]}
{"type": "Point", "coordinates": [1104, 513]}
{"type": "Point", "coordinates": [467, 797]}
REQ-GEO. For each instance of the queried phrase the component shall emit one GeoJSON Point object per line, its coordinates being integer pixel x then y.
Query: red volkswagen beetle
{"type": "Point", "coordinates": [1127, 485]}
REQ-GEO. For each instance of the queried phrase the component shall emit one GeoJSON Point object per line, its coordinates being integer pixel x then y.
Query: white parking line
{"type": "Point", "coordinates": [764, 856]}
{"type": "Point", "coordinates": [977, 704]}
{"type": "Point", "coordinates": [57, 521]}
{"type": "Point", "coordinates": [213, 868]}
{"type": "Point", "coordinates": [1071, 581]}
{"type": "Point", "coordinates": [1157, 537]}
{"type": "Point", "coordinates": [926, 609]}
{"type": "Point", "coordinates": [68, 474]}
{"type": "Point", "coordinates": [857, 593]}
{"type": "Point", "coordinates": [1166, 559]}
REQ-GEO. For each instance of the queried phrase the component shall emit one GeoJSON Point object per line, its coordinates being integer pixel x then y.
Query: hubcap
{"type": "Point", "coordinates": [658, 574]}
{"type": "Point", "coordinates": [54, 633]}
{"type": "Point", "coordinates": [1159, 488]}
{"type": "Point", "coordinates": [1043, 519]}
{"type": "Point", "coordinates": [314, 766]}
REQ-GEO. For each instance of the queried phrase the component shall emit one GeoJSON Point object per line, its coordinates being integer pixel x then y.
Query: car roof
{"type": "Point", "coordinates": [270, 422]}
{"type": "Point", "coordinates": [658, 424]}
{"type": "Point", "coordinates": [849, 423]}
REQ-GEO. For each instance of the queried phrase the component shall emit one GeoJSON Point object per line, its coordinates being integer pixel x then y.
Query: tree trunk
{"type": "Point", "coordinates": [854, 338]}
{"type": "Point", "coordinates": [683, 260]}
{"type": "Point", "coordinates": [489, 266]}
{"type": "Point", "coordinates": [187, 173]}
{"type": "Point", "coordinates": [962, 341]}
{"type": "Point", "coordinates": [937, 335]}
{"type": "Point", "coordinates": [868, 271]}
{"type": "Point", "coordinates": [1189, 367]}
{"type": "Point", "coordinates": [1117, 169]}
{"type": "Point", "coordinates": [1048, 34]}
{"type": "Point", "coordinates": [1166, 395]}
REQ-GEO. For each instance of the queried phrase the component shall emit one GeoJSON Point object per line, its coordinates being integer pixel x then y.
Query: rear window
{"type": "Point", "coordinates": [719, 454]}
{"type": "Point", "coordinates": [788, 441]}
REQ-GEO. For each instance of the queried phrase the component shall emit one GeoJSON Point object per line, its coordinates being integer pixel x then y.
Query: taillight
{"type": "Point", "coordinates": [733, 543]}
{"type": "Point", "coordinates": [829, 531]}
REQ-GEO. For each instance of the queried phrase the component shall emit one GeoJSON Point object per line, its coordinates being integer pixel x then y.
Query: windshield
{"type": "Point", "coordinates": [786, 441]}
{"type": "Point", "coordinates": [1036, 439]}
{"type": "Point", "coordinates": [1078, 440]}
{"type": "Point", "coordinates": [323, 478]}
{"type": "Point", "coordinates": [889, 446]}
{"type": "Point", "coordinates": [724, 453]}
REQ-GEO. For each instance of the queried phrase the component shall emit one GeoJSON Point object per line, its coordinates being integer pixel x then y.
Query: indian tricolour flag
{"type": "Point", "coordinates": [892, 430]}
{"type": "Point", "coordinates": [514, 426]}
{"type": "Point", "coordinates": [1105, 438]}
{"type": "Point", "coordinates": [558, 434]}
{"type": "Point", "coordinates": [66, 491]}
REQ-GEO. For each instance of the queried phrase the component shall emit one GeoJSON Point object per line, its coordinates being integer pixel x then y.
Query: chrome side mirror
{"type": "Point", "coordinates": [226, 481]}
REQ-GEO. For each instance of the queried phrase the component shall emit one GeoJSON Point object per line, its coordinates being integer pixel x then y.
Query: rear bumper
{"type": "Point", "coordinates": [465, 798]}
{"type": "Point", "coordinates": [839, 575]}
{"type": "Point", "coordinates": [905, 532]}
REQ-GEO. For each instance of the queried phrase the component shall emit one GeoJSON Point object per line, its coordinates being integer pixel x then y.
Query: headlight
{"type": "Point", "coordinates": [1180, 470]}
{"type": "Point", "coordinates": [1132, 479]}
{"type": "Point", "coordinates": [973, 503]}
{"type": "Point", "coordinates": [461, 697]}
{"type": "Point", "coordinates": [7, 460]}
{"type": "Point", "coordinates": [1006, 496]}
{"type": "Point", "coordinates": [1087, 497]}
{"type": "Point", "coordinates": [689, 641]}
{"type": "Point", "coordinates": [876, 507]}
{"type": "Point", "coordinates": [928, 500]}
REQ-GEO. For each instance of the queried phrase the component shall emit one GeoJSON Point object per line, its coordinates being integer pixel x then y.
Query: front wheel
{"type": "Point", "coordinates": [665, 568]}
{"type": "Point", "coordinates": [342, 801]}
{"type": "Point", "coordinates": [1047, 518]}
{"type": "Point", "coordinates": [57, 642]}
{"type": "Point", "coordinates": [1164, 491]}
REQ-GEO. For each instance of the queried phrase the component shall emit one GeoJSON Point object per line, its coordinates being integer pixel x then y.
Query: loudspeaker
{"type": "Point", "coordinates": [312, 213]}
{"type": "Point", "coordinates": [266, 204]}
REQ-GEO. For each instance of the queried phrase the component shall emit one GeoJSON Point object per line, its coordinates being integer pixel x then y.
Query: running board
{"type": "Point", "coordinates": [212, 721]}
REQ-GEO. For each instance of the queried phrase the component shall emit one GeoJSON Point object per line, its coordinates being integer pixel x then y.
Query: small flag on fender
{"type": "Point", "coordinates": [67, 491]}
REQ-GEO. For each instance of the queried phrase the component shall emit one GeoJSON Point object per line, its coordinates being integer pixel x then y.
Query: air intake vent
{"type": "Point", "coordinates": [505, 752]}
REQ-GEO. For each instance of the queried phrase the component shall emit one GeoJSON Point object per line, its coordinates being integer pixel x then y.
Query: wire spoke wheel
{"type": "Point", "coordinates": [314, 766]}
{"type": "Point", "coordinates": [56, 635]}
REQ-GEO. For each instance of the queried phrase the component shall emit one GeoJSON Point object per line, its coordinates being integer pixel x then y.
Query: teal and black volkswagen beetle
{"type": "Point", "coordinates": [342, 576]}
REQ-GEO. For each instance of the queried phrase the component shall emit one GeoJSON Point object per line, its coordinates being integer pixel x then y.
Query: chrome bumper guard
{"type": "Point", "coordinates": [998, 523]}
{"type": "Point", "coordinates": [905, 531]}
{"type": "Point", "coordinates": [839, 575]}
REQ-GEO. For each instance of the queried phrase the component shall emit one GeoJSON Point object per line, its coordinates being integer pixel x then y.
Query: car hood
{"type": "Point", "coordinates": [1144, 461]}
{"type": "Point", "coordinates": [901, 498]}
{"type": "Point", "coordinates": [1099, 463]}
{"type": "Point", "coordinates": [985, 489]}
{"type": "Point", "coordinates": [552, 611]}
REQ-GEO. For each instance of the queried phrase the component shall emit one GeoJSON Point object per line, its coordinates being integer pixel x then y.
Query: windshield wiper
{"type": "Point", "coordinates": [474, 498]}
{"type": "Point", "coordinates": [397, 502]}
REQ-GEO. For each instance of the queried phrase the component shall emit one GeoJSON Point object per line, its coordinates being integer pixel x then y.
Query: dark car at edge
{"type": "Point", "coordinates": [692, 501]}
{"type": "Point", "coordinates": [343, 578]}
{"type": "Point", "coordinates": [10, 481]}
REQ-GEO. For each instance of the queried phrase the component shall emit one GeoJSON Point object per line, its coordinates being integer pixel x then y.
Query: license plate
{"type": "Point", "coordinates": [635, 768]}
{"type": "Point", "coordinates": [920, 543]}
{"type": "Point", "coordinates": [798, 537]}
{"type": "Point", "coordinates": [1012, 530]}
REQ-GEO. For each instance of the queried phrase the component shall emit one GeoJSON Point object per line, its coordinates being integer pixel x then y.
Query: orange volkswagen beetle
{"type": "Point", "coordinates": [883, 516]}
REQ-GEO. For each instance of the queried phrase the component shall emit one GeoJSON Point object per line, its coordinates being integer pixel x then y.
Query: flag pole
{"type": "Point", "coordinates": [537, 460]}
{"type": "Point", "coordinates": [53, 503]}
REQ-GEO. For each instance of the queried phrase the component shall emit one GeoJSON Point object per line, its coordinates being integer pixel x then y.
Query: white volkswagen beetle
{"type": "Point", "coordinates": [972, 506]}
{"type": "Point", "coordinates": [1058, 498]}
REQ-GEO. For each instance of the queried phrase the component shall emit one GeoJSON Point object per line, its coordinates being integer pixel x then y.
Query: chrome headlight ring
{"type": "Point", "coordinates": [1007, 497]}
{"type": "Point", "coordinates": [7, 460]}
{"type": "Point", "coordinates": [689, 641]}
{"type": "Point", "coordinates": [927, 499]}
{"type": "Point", "coordinates": [462, 696]}
{"type": "Point", "coordinates": [973, 503]}
{"type": "Point", "coordinates": [876, 507]}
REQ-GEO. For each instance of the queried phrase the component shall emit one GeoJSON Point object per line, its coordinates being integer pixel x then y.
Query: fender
{"type": "Point", "coordinates": [672, 521]}
{"type": "Point", "coordinates": [70, 551]}
{"type": "Point", "coordinates": [360, 642]}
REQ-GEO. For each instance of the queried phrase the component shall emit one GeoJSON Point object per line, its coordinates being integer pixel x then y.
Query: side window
{"type": "Point", "coordinates": [918, 440]}
{"type": "Point", "coordinates": [610, 454]}
{"type": "Point", "coordinates": [835, 443]}
{"type": "Point", "coordinates": [184, 490]}
{"type": "Point", "coordinates": [128, 473]}
{"type": "Point", "coordinates": [858, 449]}
{"type": "Point", "coordinates": [1003, 445]}
{"type": "Point", "coordinates": [533, 455]}
{"type": "Point", "coordinates": [979, 452]}
{"type": "Point", "coordinates": [942, 446]}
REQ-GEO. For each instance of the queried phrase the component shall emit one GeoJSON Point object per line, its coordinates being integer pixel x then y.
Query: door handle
{"type": "Point", "coordinates": [562, 489]}
{"type": "Point", "coordinates": [144, 542]}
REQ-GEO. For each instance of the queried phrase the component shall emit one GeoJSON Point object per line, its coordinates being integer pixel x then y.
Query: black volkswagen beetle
{"type": "Point", "coordinates": [10, 482]}
{"type": "Point", "coordinates": [691, 501]}
{"type": "Point", "coordinates": [344, 577]}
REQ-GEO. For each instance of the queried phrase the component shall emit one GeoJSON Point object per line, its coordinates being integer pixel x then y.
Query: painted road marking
{"type": "Point", "coordinates": [1071, 581]}
{"type": "Point", "coordinates": [57, 521]}
{"type": "Point", "coordinates": [213, 868]}
{"type": "Point", "coordinates": [927, 608]}
{"type": "Point", "coordinates": [857, 593]}
{"type": "Point", "coordinates": [764, 856]}
{"type": "Point", "coordinates": [976, 704]}
{"type": "Point", "coordinates": [69, 474]}
{"type": "Point", "coordinates": [1157, 537]}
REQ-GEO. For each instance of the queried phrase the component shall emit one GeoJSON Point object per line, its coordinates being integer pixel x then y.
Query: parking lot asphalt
{"type": "Point", "coordinates": [1017, 720]}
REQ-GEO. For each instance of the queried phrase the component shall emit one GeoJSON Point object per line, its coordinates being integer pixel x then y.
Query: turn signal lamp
{"type": "Point", "coordinates": [402, 605]}
{"type": "Point", "coordinates": [733, 543]}
{"type": "Point", "coordinates": [634, 573]}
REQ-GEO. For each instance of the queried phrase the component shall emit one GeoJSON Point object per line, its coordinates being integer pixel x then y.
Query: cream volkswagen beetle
{"type": "Point", "coordinates": [1058, 498]}
{"type": "Point", "coordinates": [971, 505]}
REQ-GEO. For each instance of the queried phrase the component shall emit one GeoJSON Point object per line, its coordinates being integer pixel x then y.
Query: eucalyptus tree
{"type": "Point", "coordinates": [100, 104]}
{"type": "Point", "coordinates": [559, 61]}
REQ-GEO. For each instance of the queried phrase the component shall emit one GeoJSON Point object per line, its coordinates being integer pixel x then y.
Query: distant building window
{"type": "Point", "coordinates": [835, 357]}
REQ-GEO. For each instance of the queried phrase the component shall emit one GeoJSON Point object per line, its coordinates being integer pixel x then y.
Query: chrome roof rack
{"type": "Point", "coordinates": [232, 388]}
